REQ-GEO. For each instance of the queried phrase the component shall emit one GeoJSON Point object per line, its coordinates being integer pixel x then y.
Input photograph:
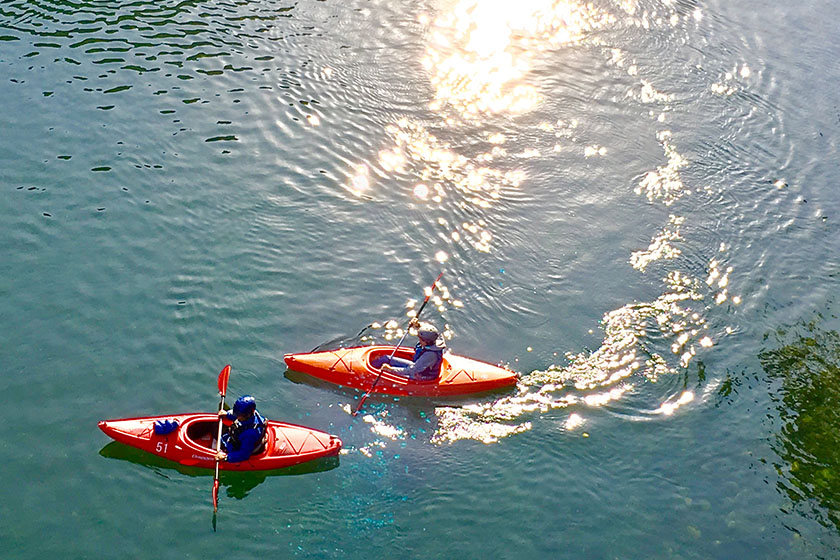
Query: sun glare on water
{"type": "Point", "coordinates": [481, 52]}
{"type": "Point", "coordinates": [481, 58]}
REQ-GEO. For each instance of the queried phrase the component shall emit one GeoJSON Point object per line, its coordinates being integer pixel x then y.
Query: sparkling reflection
{"type": "Point", "coordinates": [479, 55]}
{"type": "Point", "coordinates": [669, 407]}
{"type": "Point", "coordinates": [660, 246]}
{"type": "Point", "coordinates": [360, 180]}
{"type": "Point", "coordinates": [665, 184]}
{"type": "Point", "coordinates": [445, 174]}
{"type": "Point", "coordinates": [604, 376]}
{"type": "Point", "coordinates": [481, 51]}
{"type": "Point", "coordinates": [480, 58]}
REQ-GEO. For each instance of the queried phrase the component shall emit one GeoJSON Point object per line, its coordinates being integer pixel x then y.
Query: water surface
{"type": "Point", "coordinates": [632, 204]}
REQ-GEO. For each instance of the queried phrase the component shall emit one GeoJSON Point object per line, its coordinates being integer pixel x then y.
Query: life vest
{"type": "Point", "coordinates": [238, 428]}
{"type": "Point", "coordinates": [433, 371]}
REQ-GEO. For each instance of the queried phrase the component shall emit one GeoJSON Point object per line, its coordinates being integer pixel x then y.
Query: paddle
{"type": "Point", "coordinates": [223, 382]}
{"type": "Point", "coordinates": [417, 316]}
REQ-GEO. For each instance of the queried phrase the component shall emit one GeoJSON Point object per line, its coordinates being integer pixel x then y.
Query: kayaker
{"type": "Point", "coordinates": [428, 355]}
{"type": "Point", "coordinates": [245, 434]}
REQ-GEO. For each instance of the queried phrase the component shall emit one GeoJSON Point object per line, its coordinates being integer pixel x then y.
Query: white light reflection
{"type": "Point", "coordinates": [379, 426]}
{"type": "Point", "coordinates": [479, 57]}
{"type": "Point", "coordinates": [444, 172]}
{"type": "Point", "coordinates": [660, 247]}
{"type": "Point", "coordinates": [487, 423]}
{"type": "Point", "coordinates": [481, 51]}
{"type": "Point", "coordinates": [360, 180]}
{"type": "Point", "coordinates": [421, 191]}
{"type": "Point", "coordinates": [668, 408]}
{"type": "Point", "coordinates": [592, 379]}
{"type": "Point", "coordinates": [665, 184]}
{"type": "Point", "coordinates": [574, 421]}
{"type": "Point", "coordinates": [591, 151]}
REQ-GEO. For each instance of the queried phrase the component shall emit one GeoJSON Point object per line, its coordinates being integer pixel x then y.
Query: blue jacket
{"type": "Point", "coordinates": [243, 438]}
{"type": "Point", "coordinates": [427, 361]}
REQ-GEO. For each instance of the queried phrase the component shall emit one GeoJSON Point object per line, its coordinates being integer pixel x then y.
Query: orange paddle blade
{"type": "Point", "coordinates": [223, 379]}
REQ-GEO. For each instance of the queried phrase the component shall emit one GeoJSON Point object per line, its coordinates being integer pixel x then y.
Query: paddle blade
{"type": "Point", "coordinates": [361, 402]}
{"type": "Point", "coordinates": [223, 379]}
{"type": "Point", "coordinates": [215, 495]}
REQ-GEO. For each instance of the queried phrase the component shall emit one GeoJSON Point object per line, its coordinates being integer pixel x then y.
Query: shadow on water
{"type": "Point", "coordinates": [237, 483]}
{"type": "Point", "coordinates": [805, 361]}
{"type": "Point", "coordinates": [310, 381]}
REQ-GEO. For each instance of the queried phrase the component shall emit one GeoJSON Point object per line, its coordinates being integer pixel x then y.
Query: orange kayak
{"type": "Point", "coordinates": [350, 367]}
{"type": "Point", "coordinates": [191, 443]}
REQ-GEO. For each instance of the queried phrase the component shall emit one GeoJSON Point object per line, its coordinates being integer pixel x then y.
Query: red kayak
{"type": "Point", "coordinates": [191, 444]}
{"type": "Point", "coordinates": [351, 367]}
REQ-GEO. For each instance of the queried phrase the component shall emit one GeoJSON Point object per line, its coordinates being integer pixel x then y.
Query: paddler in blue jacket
{"type": "Point", "coordinates": [428, 355]}
{"type": "Point", "coordinates": [245, 434]}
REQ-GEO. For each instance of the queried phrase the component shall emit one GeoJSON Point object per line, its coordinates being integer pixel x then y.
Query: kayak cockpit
{"type": "Point", "coordinates": [202, 432]}
{"type": "Point", "coordinates": [405, 353]}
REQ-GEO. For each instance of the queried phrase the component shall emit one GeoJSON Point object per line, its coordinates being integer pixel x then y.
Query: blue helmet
{"type": "Point", "coordinates": [244, 405]}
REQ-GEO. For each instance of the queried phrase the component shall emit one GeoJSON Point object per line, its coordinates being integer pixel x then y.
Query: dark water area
{"type": "Point", "coordinates": [633, 204]}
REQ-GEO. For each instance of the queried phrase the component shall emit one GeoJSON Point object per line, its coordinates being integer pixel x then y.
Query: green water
{"type": "Point", "coordinates": [633, 204]}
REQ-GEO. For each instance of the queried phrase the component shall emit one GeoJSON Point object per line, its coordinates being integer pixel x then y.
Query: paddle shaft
{"type": "Point", "coordinates": [223, 381]}
{"type": "Point", "coordinates": [218, 448]}
{"type": "Point", "coordinates": [394, 351]}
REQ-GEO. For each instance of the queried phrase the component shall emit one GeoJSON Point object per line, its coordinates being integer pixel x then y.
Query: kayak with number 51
{"type": "Point", "coordinates": [188, 439]}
